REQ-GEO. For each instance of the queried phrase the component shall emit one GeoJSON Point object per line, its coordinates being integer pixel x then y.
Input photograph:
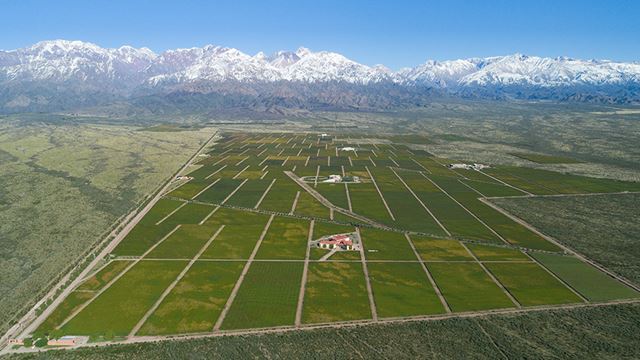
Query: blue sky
{"type": "Point", "coordinates": [395, 33]}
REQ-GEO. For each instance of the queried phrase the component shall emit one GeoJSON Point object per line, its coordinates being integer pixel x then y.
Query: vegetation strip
{"type": "Point", "coordinates": [233, 192]}
{"type": "Point", "coordinates": [367, 281]}
{"type": "Point", "coordinates": [240, 172]}
{"type": "Point", "coordinates": [380, 193]}
{"type": "Point", "coordinates": [217, 171]}
{"type": "Point", "coordinates": [584, 299]}
{"type": "Point", "coordinates": [346, 190]}
{"type": "Point", "coordinates": [116, 278]}
{"type": "Point", "coordinates": [205, 189]}
{"type": "Point", "coordinates": [504, 183]}
{"type": "Point", "coordinates": [221, 160]}
{"type": "Point", "coordinates": [303, 281]}
{"type": "Point", "coordinates": [209, 215]}
{"type": "Point", "coordinates": [234, 292]}
{"type": "Point", "coordinates": [174, 283]}
{"type": "Point", "coordinates": [171, 213]}
{"type": "Point", "coordinates": [366, 222]}
{"type": "Point", "coordinates": [426, 271]}
{"type": "Point", "coordinates": [467, 210]}
{"type": "Point", "coordinates": [266, 191]}
{"type": "Point", "coordinates": [421, 203]}
{"type": "Point", "coordinates": [295, 203]}
{"type": "Point", "coordinates": [422, 166]}
{"type": "Point", "coordinates": [495, 280]}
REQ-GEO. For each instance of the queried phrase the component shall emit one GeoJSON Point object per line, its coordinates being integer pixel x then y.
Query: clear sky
{"type": "Point", "coordinates": [395, 33]}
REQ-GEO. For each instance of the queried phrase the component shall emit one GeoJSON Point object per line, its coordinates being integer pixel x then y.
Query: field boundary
{"type": "Point", "coordinates": [348, 324]}
{"type": "Point", "coordinates": [264, 195]}
{"type": "Point", "coordinates": [367, 281]}
{"type": "Point", "coordinates": [175, 282]}
{"type": "Point", "coordinates": [244, 272]}
{"type": "Point", "coordinates": [380, 193]}
{"type": "Point", "coordinates": [562, 246]}
{"type": "Point", "coordinates": [493, 278]}
{"type": "Point", "coordinates": [263, 189]}
{"type": "Point", "coordinates": [373, 224]}
{"type": "Point", "coordinates": [116, 278]}
{"type": "Point", "coordinates": [303, 281]}
{"type": "Point", "coordinates": [435, 287]}
{"type": "Point", "coordinates": [421, 203]}
{"type": "Point", "coordinates": [467, 210]}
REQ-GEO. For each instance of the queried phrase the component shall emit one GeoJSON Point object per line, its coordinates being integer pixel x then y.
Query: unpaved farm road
{"type": "Point", "coordinates": [30, 321]}
{"type": "Point", "coordinates": [283, 329]}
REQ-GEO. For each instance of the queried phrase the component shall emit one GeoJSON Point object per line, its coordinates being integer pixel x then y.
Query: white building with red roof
{"type": "Point", "coordinates": [342, 241]}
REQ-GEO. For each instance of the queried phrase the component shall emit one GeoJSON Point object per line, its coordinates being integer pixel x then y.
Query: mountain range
{"type": "Point", "coordinates": [65, 75]}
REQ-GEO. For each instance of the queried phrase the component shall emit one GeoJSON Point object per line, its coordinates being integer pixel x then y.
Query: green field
{"type": "Point", "coordinates": [466, 287]}
{"type": "Point", "coordinates": [196, 301]}
{"type": "Point", "coordinates": [456, 219]}
{"type": "Point", "coordinates": [385, 245]}
{"type": "Point", "coordinates": [309, 206]}
{"type": "Point", "coordinates": [591, 283]}
{"type": "Point", "coordinates": [146, 232]}
{"type": "Point", "coordinates": [286, 239]}
{"type": "Point", "coordinates": [510, 230]}
{"type": "Point", "coordinates": [102, 277]}
{"type": "Point", "coordinates": [402, 289]}
{"type": "Point", "coordinates": [191, 213]}
{"type": "Point", "coordinates": [70, 304]}
{"type": "Point", "coordinates": [218, 192]}
{"type": "Point", "coordinates": [238, 238]}
{"type": "Point", "coordinates": [494, 253]}
{"type": "Point", "coordinates": [420, 191]}
{"type": "Point", "coordinates": [580, 222]}
{"type": "Point", "coordinates": [490, 189]}
{"type": "Point", "coordinates": [184, 243]}
{"type": "Point", "coordinates": [366, 201]}
{"type": "Point", "coordinates": [335, 193]}
{"type": "Point", "coordinates": [249, 193]}
{"type": "Point", "coordinates": [116, 311]}
{"type": "Point", "coordinates": [193, 187]}
{"type": "Point", "coordinates": [335, 292]}
{"type": "Point", "coordinates": [407, 210]}
{"type": "Point", "coordinates": [531, 285]}
{"type": "Point", "coordinates": [267, 297]}
{"type": "Point", "coordinates": [431, 249]}
{"type": "Point", "coordinates": [549, 182]}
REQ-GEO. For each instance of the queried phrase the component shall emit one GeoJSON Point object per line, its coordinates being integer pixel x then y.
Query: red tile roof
{"type": "Point", "coordinates": [339, 240]}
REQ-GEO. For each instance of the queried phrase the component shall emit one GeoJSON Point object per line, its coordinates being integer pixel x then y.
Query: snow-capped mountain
{"type": "Point", "coordinates": [551, 72]}
{"type": "Point", "coordinates": [63, 60]}
{"type": "Point", "coordinates": [84, 68]}
{"type": "Point", "coordinates": [523, 70]}
{"type": "Point", "coordinates": [222, 64]}
{"type": "Point", "coordinates": [445, 74]}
